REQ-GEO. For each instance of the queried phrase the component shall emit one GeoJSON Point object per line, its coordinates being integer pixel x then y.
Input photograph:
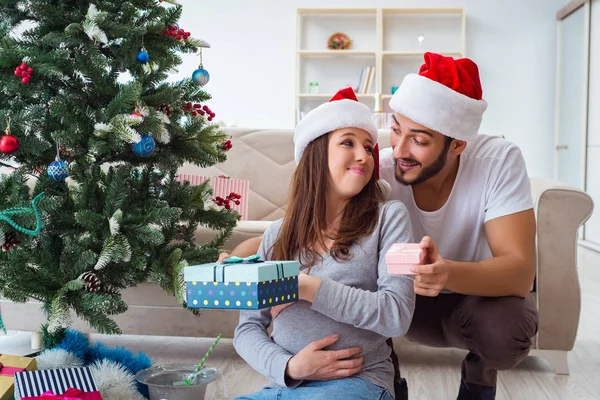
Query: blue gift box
{"type": "Point", "coordinates": [244, 286]}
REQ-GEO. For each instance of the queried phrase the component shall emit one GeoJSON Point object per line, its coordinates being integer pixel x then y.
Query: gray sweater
{"type": "Point", "coordinates": [357, 299]}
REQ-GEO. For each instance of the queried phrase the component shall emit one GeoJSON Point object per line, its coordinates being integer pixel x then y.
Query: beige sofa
{"type": "Point", "coordinates": [265, 157]}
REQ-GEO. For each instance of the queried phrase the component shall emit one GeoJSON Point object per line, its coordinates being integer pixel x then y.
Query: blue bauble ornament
{"type": "Point", "coordinates": [200, 76]}
{"type": "Point", "coordinates": [144, 147]}
{"type": "Point", "coordinates": [143, 56]}
{"type": "Point", "coordinates": [58, 170]}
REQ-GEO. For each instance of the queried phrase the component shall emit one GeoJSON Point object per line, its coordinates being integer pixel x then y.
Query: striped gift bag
{"type": "Point", "coordinates": [223, 186]}
{"type": "Point", "coordinates": [36, 383]}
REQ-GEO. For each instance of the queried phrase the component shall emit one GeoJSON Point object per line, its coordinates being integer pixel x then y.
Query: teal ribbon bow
{"type": "Point", "coordinates": [238, 260]}
{"type": "Point", "coordinates": [6, 214]}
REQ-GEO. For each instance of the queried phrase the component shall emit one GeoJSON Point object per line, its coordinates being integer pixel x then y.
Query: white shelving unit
{"type": "Point", "coordinates": [385, 38]}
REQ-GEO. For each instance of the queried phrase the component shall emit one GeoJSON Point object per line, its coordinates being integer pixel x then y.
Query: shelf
{"type": "Point", "coordinates": [419, 53]}
{"type": "Point", "coordinates": [317, 11]}
{"type": "Point", "coordinates": [321, 96]}
{"type": "Point", "coordinates": [387, 11]}
{"type": "Point", "coordinates": [392, 40]}
{"type": "Point", "coordinates": [335, 53]}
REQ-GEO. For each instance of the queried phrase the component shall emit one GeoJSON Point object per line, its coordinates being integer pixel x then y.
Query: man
{"type": "Point", "coordinates": [469, 198]}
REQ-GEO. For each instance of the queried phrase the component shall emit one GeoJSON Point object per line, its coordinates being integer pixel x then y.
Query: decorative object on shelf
{"type": "Point", "coordinates": [420, 39]}
{"type": "Point", "coordinates": [24, 72]}
{"type": "Point", "coordinates": [8, 143]}
{"type": "Point", "coordinates": [394, 88]}
{"type": "Point", "coordinates": [144, 147]}
{"type": "Point", "coordinates": [379, 117]}
{"type": "Point", "coordinates": [201, 76]}
{"type": "Point", "coordinates": [143, 56]}
{"type": "Point", "coordinates": [313, 87]}
{"type": "Point", "coordinates": [367, 79]}
{"type": "Point", "coordinates": [339, 41]}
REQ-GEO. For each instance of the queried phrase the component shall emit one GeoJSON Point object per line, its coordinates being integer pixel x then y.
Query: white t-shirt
{"type": "Point", "coordinates": [491, 182]}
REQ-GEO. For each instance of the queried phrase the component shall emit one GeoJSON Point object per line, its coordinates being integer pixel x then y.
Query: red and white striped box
{"type": "Point", "coordinates": [223, 186]}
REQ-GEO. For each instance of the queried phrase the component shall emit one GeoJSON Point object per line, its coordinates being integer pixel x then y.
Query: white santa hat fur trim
{"type": "Point", "coordinates": [438, 107]}
{"type": "Point", "coordinates": [342, 111]}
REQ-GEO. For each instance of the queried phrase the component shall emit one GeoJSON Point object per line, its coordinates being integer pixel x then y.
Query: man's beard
{"type": "Point", "coordinates": [427, 172]}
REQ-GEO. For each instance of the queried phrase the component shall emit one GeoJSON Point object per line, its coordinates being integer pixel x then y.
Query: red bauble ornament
{"type": "Point", "coordinates": [8, 143]}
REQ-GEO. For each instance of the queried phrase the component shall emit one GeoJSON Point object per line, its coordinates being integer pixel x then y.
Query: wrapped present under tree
{"type": "Point", "coordinates": [9, 365]}
{"type": "Point", "coordinates": [56, 384]}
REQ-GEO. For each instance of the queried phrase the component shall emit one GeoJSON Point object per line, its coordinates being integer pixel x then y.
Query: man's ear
{"type": "Point", "coordinates": [458, 146]}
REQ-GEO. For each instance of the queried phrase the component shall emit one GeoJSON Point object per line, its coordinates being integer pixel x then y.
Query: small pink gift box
{"type": "Point", "coordinates": [401, 256]}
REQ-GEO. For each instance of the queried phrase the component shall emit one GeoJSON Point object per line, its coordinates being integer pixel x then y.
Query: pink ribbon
{"type": "Point", "coordinates": [9, 371]}
{"type": "Point", "coordinates": [70, 394]}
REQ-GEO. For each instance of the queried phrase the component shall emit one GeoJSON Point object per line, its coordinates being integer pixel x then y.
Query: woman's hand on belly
{"type": "Point", "coordinates": [315, 364]}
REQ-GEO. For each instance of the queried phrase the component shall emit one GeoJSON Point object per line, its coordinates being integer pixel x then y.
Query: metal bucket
{"type": "Point", "coordinates": [161, 380]}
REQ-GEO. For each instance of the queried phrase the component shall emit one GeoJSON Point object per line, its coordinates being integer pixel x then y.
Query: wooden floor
{"type": "Point", "coordinates": [431, 373]}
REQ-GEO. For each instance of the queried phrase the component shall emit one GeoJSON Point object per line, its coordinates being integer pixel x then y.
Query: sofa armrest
{"type": "Point", "coordinates": [243, 231]}
{"type": "Point", "coordinates": [560, 211]}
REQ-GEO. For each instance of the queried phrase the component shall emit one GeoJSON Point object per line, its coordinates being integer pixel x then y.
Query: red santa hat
{"type": "Point", "coordinates": [342, 111]}
{"type": "Point", "coordinates": [445, 96]}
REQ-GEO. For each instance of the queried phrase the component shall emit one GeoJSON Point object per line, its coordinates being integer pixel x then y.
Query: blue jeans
{"type": "Point", "coordinates": [347, 388]}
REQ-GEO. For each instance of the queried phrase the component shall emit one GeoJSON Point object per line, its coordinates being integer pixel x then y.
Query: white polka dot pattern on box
{"type": "Point", "coordinates": [241, 295]}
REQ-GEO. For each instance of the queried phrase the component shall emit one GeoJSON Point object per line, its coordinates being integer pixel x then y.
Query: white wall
{"type": "Point", "coordinates": [252, 62]}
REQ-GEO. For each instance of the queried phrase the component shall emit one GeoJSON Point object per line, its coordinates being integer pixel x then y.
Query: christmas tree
{"type": "Point", "coordinates": [121, 217]}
